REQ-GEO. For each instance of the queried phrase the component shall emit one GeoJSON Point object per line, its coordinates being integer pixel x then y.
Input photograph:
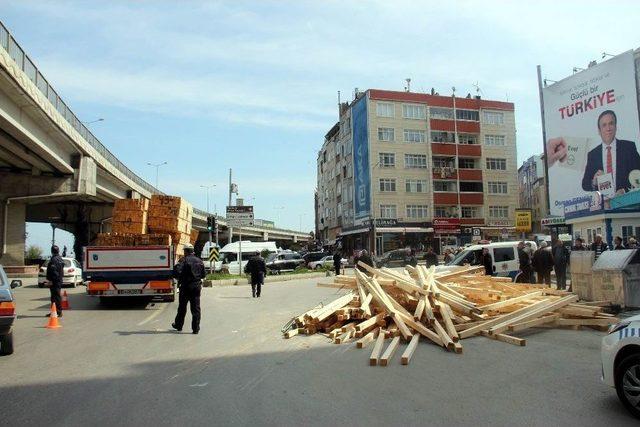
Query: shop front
{"type": "Point", "coordinates": [392, 234]}
{"type": "Point", "coordinates": [447, 234]}
{"type": "Point", "coordinates": [501, 230]}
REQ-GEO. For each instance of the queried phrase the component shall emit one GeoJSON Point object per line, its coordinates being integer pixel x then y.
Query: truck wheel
{"type": "Point", "coordinates": [6, 343]}
{"type": "Point", "coordinates": [627, 382]}
{"type": "Point", "coordinates": [172, 298]}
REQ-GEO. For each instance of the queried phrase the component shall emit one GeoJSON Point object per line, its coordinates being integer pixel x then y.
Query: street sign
{"type": "Point", "coordinates": [214, 254]}
{"type": "Point", "coordinates": [476, 234]}
{"type": "Point", "coordinates": [523, 220]}
{"type": "Point", "coordinates": [240, 216]}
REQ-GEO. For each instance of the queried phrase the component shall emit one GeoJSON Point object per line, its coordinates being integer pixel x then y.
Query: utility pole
{"type": "Point", "coordinates": [209, 226]}
{"type": "Point", "coordinates": [157, 166]}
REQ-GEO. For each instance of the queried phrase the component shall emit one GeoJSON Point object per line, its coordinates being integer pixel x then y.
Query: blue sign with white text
{"type": "Point", "coordinates": [361, 176]}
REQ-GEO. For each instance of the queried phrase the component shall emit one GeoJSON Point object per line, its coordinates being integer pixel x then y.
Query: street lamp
{"type": "Point", "coordinates": [157, 166]}
{"type": "Point", "coordinates": [301, 216]}
{"type": "Point", "coordinates": [93, 121]}
{"type": "Point", "coordinates": [278, 208]}
{"type": "Point", "coordinates": [207, 187]}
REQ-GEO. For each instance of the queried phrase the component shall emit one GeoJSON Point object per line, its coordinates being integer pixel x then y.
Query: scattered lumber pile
{"type": "Point", "coordinates": [442, 308]}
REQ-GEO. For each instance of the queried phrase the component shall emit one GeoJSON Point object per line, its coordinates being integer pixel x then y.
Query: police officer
{"type": "Point", "coordinates": [337, 262]}
{"type": "Point", "coordinates": [189, 272]}
{"type": "Point", "coordinates": [55, 274]}
{"type": "Point", "coordinates": [257, 268]}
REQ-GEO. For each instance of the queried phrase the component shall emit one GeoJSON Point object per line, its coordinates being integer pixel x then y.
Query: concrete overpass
{"type": "Point", "coordinates": [54, 170]}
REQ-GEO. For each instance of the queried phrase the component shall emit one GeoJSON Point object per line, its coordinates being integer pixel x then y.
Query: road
{"type": "Point", "coordinates": [122, 365]}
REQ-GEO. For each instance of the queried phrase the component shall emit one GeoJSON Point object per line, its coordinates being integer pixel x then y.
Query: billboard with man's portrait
{"type": "Point", "coordinates": [592, 130]}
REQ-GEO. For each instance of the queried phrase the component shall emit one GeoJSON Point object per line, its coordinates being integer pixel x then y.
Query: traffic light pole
{"type": "Point", "coordinates": [210, 262]}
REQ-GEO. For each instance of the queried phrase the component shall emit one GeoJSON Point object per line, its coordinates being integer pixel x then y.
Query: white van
{"type": "Point", "coordinates": [229, 254]}
{"type": "Point", "coordinates": [504, 254]}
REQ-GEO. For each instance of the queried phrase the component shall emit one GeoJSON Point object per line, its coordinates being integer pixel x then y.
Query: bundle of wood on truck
{"type": "Point", "coordinates": [442, 308]}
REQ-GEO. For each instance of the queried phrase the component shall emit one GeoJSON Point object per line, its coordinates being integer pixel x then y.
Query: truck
{"type": "Point", "coordinates": [129, 271]}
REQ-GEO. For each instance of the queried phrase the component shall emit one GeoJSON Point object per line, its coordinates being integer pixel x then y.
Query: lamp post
{"type": "Point", "coordinates": [301, 216]}
{"type": "Point", "coordinates": [157, 166]}
{"type": "Point", "coordinates": [93, 121]}
{"type": "Point", "coordinates": [278, 208]}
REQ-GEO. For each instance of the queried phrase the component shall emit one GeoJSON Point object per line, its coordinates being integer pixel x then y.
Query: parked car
{"type": "Point", "coordinates": [397, 258]}
{"type": "Point", "coordinates": [72, 273]}
{"type": "Point", "coordinates": [314, 256]}
{"type": "Point", "coordinates": [621, 362]}
{"type": "Point", "coordinates": [7, 312]}
{"type": "Point", "coordinates": [326, 261]}
{"type": "Point", "coordinates": [284, 261]}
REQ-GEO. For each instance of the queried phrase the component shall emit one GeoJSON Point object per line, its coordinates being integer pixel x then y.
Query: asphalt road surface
{"type": "Point", "coordinates": [122, 365]}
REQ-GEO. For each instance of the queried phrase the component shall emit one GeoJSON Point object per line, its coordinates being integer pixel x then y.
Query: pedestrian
{"type": "Point", "coordinates": [431, 257]}
{"type": "Point", "coordinates": [487, 261]}
{"type": "Point", "coordinates": [258, 269]}
{"type": "Point", "coordinates": [524, 264]}
{"type": "Point", "coordinates": [337, 262]}
{"type": "Point", "coordinates": [632, 243]}
{"type": "Point", "coordinates": [448, 256]}
{"type": "Point", "coordinates": [64, 251]}
{"type": "Point", "coordinates": [579, 245]}
{"type": "Point", "coordinates": [599, 246]}
{"type": "Point", "coordinates": [189, 272]}
{"type": "Point", "coordinates": [560, 260]}
{"type": "Point", "coordinates": [365, 259]}
{"type": "Point", "coordinates": [542, 263]}
{"type": "Point", "coordinates": [55, 274]}
{"type": "Point", "coordinates": [617, 243]}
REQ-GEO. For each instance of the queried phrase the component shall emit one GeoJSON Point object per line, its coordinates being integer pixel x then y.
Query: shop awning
{"type": "Point", "coordinates": [356, 231]}
{"type": "Point", "coordinates": [404, 230]}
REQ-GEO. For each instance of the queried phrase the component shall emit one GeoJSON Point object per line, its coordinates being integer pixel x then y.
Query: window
{"type": "Point", "coordinates": [441, 212]}
{"type": "Point", "coordinates": [416, 211]}
{"type": "Point", "coordinates": [386, 134]}
{"type": "Point", "coordinates": [387, 184]}
{"type": "Point", "coordinates": [493, 118]}
{"type": "Point", "coordinates": [468, 115]}
{"type": "Point", "coordinates": [627, 231]}
{"type": "Point", "coordinates": [446, 186]}
{"type": "Point", "coordinates": [388, 212]}
{"type": "Point", "coordinates": [387, 160]}
{"type": "Point", "coordinates": [494, 140]}
{"type": "Point", "coordinates": [470, 212]}
{"type": "Point", "coordinates": [385, 109]}
{"type": "Point", "coordinates": [470, 187]}
{"type": "Point", "coordinates": [447, 137]}
{"type": "Point", "coordinates": [441, 113]}
{"type": "Point", "coordinates": [503, 254]}
{"type": "Point", "coordinates": [415, 161]}
{"type": "Point", "coordinates": [497, 187]}
{"type": "Point", "coordinates": [410, 111]}
{"type": "Point", "coordinates": [442, 162]}
{"type": "Point", "coordinates": [416, 185]}
{"type": "Point", "coordinates": [498, 211]}
{"type": "Point", "coordinates": [414, 135]}
{"type": "Point", "coordinates": [467, 163]}
{"type": "Point", "coordinates": [496, 164]}
{"type": "Point", "coordinates": [466, 138]}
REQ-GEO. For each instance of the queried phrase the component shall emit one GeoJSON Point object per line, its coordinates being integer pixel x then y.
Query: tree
{"type": "Point", "coordinates": [34, 252]}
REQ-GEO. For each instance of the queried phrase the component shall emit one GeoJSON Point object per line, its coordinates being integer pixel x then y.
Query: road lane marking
{"type": "Point", "coordinates": [153, 315]}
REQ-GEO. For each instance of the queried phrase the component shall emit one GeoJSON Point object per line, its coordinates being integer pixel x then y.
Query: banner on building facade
{"type": "Point", "coordinates": [592, 131]}
{"type": "Point", "coordinates": [523, 220]}
{"type": "Point", "coordinates": [361, 173]}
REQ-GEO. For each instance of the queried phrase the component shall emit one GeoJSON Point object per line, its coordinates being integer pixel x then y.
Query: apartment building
{"type": "Point", "coordinates": [533, 191]}
{"type": "Point", "coordinates": [418, 169]}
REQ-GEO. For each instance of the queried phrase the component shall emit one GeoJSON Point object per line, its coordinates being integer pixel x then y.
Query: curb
{"type": "Point", "coordinates": [269, 279]}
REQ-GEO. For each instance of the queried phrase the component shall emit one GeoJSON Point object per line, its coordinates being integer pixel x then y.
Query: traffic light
{"type": "Point", "coordinates": [211, 223]}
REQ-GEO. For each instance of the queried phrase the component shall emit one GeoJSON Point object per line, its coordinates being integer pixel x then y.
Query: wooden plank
{"type": "Point", "coordinates": [417, 315]}
{"type": "Point", "coordinates": [411, 348]}
{"type": "Point", "coordinates": [422, 330]}
{"type": "Point", "coordinates": [388, 353]}
{"type": "Point", "coordinates": [533, 323]}
{"type": "Point", "coordinates": [292, 333]}
{"type": "Point", "coordinates": [521, 342]}
{"type": "Point", "coordinates": [447, 317]}
{"type": "Point", "coordinates": [545, 308]}
{"type": "Point", "coordinates": [377, 348]}
{"type": "Point", "coordinates": [510, 301]}
{"type": "Point", "coordinates": [448, 342]}
{"type": "Point", "coordinates": [406, 333]}
{"type": "Point", "coordinates": [344, 337]}
{"type": "Point", "coordinates": [372, 321]}
{"type": "Point", "coordinates": [367, 339]}
{"type": "Point", "coordinates": [586, 322]}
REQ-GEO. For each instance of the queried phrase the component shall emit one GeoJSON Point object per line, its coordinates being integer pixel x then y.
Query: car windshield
{"type": "Point", "coordinates": [271, 257]}
{"type": "Point", "coordinates": [464, 257]}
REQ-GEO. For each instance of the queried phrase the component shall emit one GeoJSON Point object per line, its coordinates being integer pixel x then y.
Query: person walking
{"type": "Point", "coordinates": [599, 246]}
{"type": "Point", "coordinates": [337, 262]}
{"type": "Point", "coordinates": [617, 243]}
{"type": "Point", "coordinates": [579, 246]}
{"type": "Point", "coordinates": [560, 260]}
{"type": "Point", "coordinates": [258, 269]}
{"type": "Point", "coordinates": [487, 261]}
{"type": "Point", "coordinates": [431, 257]}
{"type": "Point", "coordinates": [542, 263]}
{"type": "Point", "coordinates": [189, 272]}
{"type": "Point", "coordinates": [55, 274]}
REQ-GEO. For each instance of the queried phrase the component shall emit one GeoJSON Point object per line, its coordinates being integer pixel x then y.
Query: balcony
{"type": "Point", "coordinates": [449, 149]}
{"type": "Point", "coordinates": [444, 173]}
{"type": "Point", "coordinates": [470, 174]}
{"type": "Point", "coordinates": [471, 198]}
{"type": "Point", "coordinates": [445, 198]}
{"type": "Point", "coordinates": [470, 150]}
{"type": "Point", "coordinates": [471, 221]}
{"type": "Point", "coordinates": [440, 148]}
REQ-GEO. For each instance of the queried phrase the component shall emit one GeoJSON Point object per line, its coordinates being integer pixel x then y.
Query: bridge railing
{"type": "Point", "coordinates": [9, 44]}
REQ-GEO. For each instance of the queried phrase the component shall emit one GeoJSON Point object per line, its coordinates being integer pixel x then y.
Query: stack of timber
{"type": "Point", "coordinates": [118, 239]}
{"type": "Point", "coordinates": [130, 216]}
{"type": "Point", "coordinates": [442, 308]}
{"type": "Point", "coordinates": [171, 215]}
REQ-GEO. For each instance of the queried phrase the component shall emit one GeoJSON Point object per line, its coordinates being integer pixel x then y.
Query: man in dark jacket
{"type": "Point", "coordinates": [431, 257]}
{"type": "Point", "coordinates": [542, 263]}
{"type": "Point", "coordinates": [55, 274]}
{"type": "Point", "coordinates": [337, 262]}
{"type": "Point", "coordinates": [560, 260]}
{"type": "Point", "coordinates": [524, 263]}
{"type": "Point", "coordinates": [579, 245]}
{"type": "Point", "coordinates": [487, 261]}
{"type": "Point", "coordinates": [257, 268]}
{"type": "Point", "coordinates": [617, 243]}
{"type": "Point", "coordinates": [189, 272]}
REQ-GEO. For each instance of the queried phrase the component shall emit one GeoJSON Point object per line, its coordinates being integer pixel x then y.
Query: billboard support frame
{"type": "Point", "coordinates": [544, 139]}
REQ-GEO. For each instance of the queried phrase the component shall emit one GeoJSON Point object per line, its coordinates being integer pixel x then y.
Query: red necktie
{"type": "Point", "coordinates": [609, 160]}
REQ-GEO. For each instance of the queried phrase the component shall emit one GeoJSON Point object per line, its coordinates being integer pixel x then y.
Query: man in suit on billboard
{"type": "Point", "coordinates": [615, 156]}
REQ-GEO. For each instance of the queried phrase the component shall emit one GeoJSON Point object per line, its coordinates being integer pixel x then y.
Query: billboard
{"type": "Point", "coordinates": [592, 131]}
{"type": "Point", "coordinates": [361, 173]}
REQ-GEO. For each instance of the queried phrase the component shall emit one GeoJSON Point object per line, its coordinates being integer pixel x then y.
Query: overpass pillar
{"type": "Point", "coordinates": [12, 250]}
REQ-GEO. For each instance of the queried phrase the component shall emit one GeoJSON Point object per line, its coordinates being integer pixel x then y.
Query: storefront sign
{"type": "Point", "coordinates": [546, 222]}
{"type": "Point", "coordinates": [446, 225]}
{"type": "Point", "coordinates": [385, 222]}
{"type": "Point", "coordinates": [523, 220]}
{"type": "Point", "coordinates": [500, 223]}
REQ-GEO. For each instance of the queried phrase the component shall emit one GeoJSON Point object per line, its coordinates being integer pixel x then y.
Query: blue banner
{"type": "Point", "coordinates": [361, 173]}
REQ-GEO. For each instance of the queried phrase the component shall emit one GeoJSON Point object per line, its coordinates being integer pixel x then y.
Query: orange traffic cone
{"type": "Point", "coordinates": [53, 318]}
{"type": "Point", "coordinates": [65, 301]}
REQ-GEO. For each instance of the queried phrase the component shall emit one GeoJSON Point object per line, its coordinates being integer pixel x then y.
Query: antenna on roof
{"type": "Point", "coordinates": [433, 91]}
{"type": "Point", "coordinates": [408, 86]}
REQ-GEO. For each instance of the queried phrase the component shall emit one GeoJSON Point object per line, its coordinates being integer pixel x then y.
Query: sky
{"type": "Point", "coordinates": [252, 85]}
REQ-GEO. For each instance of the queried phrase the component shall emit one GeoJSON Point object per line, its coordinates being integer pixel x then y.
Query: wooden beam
{"type": "Point", "coordinates": [367, 339]}
{"type": "Point", "coordinates": [510, 301]}
{"type": "Point", "coordinates": [521, 342]}
{"type": "Point", "coordinates": [545, 308]}
{"type": "Point", "coordinates": [533, 323]}
{"type": "Point", "coordinates": [388, 353]}
{"type": "Point", "coordinates": [377, 348]}
{"type": "Point", "coordinates": [411, 348]}
{"type": "Point", "coordinates": [586, 322]}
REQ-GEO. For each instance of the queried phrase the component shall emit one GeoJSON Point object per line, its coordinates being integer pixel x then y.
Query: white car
{"type": "Point", "coordinates": [621, 362]}
{"type": "Point", "coordinates": [72, 273]}
{"type": "Point", "coordinates": [326, 261]}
